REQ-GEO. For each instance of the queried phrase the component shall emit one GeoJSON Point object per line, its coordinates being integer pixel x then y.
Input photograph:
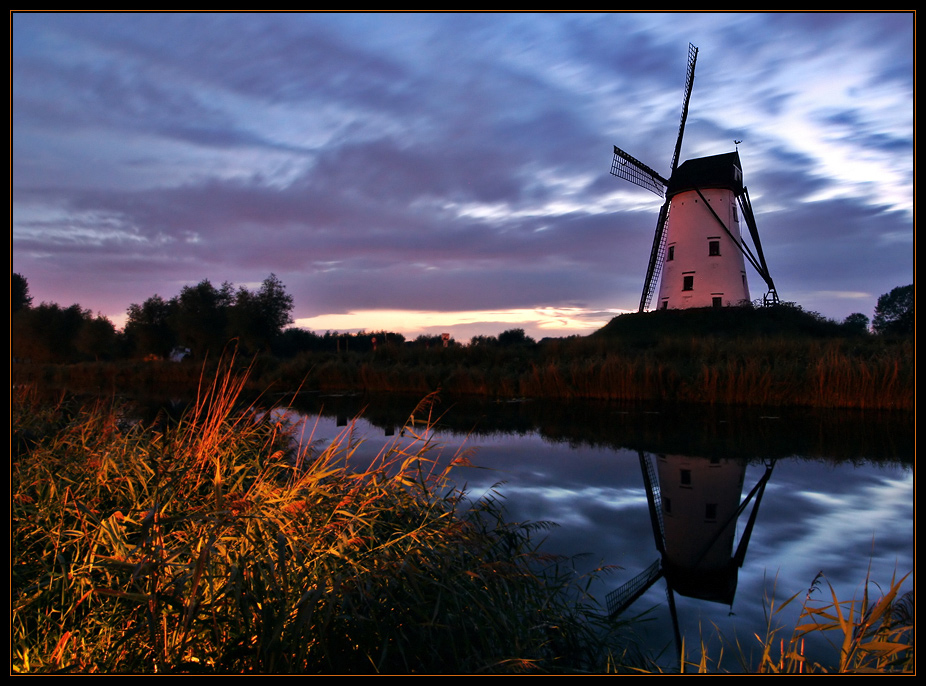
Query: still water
{"type": "Point", "coordinates": [723, 508]}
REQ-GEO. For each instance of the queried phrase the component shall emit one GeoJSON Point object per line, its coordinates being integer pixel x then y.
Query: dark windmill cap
{"type": "Point", "coordinates": [716, 171]}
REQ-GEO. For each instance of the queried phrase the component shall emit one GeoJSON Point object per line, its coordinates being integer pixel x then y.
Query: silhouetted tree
{"type": "Point", "coordinates": [19, 293]}
{"type": "Point", "coordinates": [48, 333]}
{"type": "Point", "coordinates": [894, 313]}
{"type": "Point", "coordinates": [294, 340]}
{"type": "Point", "coordinates": [148, 327]}
{"type": "Point", "coordinates": [431, 341]}
{"type": "Point", "coordinates": [258, 318]}
{"type": "Point", "coordinates": [97, 338]}
{"type": "Point", "coordinates": [199, 317]}
{"type": "Point", "coordinates": [856, 323]}
{"type": "Point", "coordinates": [483, 341]}
{"type": "Point", "coordinates": [514, 337]}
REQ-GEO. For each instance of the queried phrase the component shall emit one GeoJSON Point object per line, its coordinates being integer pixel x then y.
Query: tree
{"type": "Point", "coordinates": [96, 338]}
{"type": "Point", "coordinates": [148, 327]}
{"type": "Point", "coordinates": [432, 341]}
{"type": "Point", "coordinates": [295, 340]}
{"type": "Point", "coordinates": [258, 318]}
{"type": "Point", "coordinates": [483, 341]}
{"type": "Point", "coordinates": [894, 313]}
{"type": "Point", "coordinates": [856, 323]}
{"type": "Point", "coordinates": [276, 303]}
{"type": "Point", "coordinates": [199, 318]}
{"type": "Point", "coordinates": [19, 294]}
{"type": "Point", "coordinates": [514, 337]}
{"type": "Point", "coordinates": [48, 333]}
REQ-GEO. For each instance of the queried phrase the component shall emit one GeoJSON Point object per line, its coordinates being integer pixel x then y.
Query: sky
{"type": "Point", "coordinates": [430, 173]}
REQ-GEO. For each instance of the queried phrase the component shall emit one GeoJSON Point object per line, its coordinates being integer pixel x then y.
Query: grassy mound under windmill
{"type": "Point", "coordinates": [723, 322]}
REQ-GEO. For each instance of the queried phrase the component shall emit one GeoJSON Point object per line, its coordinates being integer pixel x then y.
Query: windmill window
{"type": "Point", "coordinates": [688, 282]}
{"type": "Point", "coordinates": [713, 248]}
{"type": "Point", "coordinates": [710, 512]}
{"type": "Point", "coordinates": [667, 505]}
{"type": "Point", "coordinates": [685, 477]}
{"type": "Point", "coordinates": [671, 254]}
{"type": "Point", "coordinates": [717, 301]}
{"type": "Point", "coordinates": [664, 305]}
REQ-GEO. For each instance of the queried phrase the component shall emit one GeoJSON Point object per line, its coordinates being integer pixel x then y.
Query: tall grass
{"type": "Point", "coordinates": [784, 371]}
{"type": "Point", "coordinates": [832, 636]}
{"type": "Point", "coordinates": [864, 636]}
{"type": "Point", "coordinates": [218, 544]}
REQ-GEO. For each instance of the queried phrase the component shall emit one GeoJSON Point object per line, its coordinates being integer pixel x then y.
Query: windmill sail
{"type": "Point", "coordinates": [657, 253]}
{"type": "Point", "coordinates": [631, 169]}
{"type": "Point", "coordinates": [689, 82]}
{"type": "Point", "coordinates": [656, 258]}
{"type": "Point", "coordinates": [760, 264]}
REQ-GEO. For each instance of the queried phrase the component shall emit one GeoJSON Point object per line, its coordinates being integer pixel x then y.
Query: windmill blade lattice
{"type": "Point", "coordinates": [689, 82]}
{"type": "Point", "coordinates": [629, 168]}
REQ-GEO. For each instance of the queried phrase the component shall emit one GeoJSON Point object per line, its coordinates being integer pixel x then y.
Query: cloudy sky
{"type": "Point", "coordinates": [448, 172]}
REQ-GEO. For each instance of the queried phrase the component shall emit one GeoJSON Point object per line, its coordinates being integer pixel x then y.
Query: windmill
{"type": "Point", "coordinates": [698, 249]}
{"type": "Point", "coordinates": [694, 505]}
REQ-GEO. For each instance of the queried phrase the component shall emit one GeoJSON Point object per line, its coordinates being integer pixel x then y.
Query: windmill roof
{"type": "Point", "coordinates": [716, 171]}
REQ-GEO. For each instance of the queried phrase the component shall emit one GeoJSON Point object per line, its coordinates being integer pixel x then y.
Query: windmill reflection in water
{"type": "Point", "coordinates": [694, 504]}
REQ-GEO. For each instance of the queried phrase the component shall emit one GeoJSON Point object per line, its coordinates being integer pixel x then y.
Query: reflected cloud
{"type": "Point", "coordinates": [839, 503]}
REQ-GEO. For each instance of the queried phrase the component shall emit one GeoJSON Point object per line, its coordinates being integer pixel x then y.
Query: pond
{"type": "Point", "coordinates": [707, 513]}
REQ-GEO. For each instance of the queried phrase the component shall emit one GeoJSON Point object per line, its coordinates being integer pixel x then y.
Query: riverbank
{"type": "Point", "coordinates": [666, 361]}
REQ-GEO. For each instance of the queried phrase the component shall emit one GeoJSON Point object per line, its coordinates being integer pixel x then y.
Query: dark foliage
{"type": "Point", "coordinates": [19, 293]}
{"type": "Point", "coordinates": [895, 312]}
{"type": "Point", "coordinates": [785, 320]}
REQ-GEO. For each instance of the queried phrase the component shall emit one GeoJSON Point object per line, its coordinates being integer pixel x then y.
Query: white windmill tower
{"type": "Point", "coordinates": [698, 248]}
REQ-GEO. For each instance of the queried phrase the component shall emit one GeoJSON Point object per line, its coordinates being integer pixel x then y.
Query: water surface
{"type": "Point", "coordinates": [826, 493]}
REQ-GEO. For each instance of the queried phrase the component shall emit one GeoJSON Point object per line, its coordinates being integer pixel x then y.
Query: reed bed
{"type": "Point", "coordinates": [866, 373]}
{"type": "Point", "coordinates": [217, 543]}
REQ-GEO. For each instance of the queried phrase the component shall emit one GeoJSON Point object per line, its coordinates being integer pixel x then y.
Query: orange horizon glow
{"type": "Point", "coordinates": [549, 321]}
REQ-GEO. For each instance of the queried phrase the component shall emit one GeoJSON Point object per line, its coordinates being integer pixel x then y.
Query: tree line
{"type": "Point", "coordinates": [198, 322]}
{"type": "Point", "coordinates": [202, 319]}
